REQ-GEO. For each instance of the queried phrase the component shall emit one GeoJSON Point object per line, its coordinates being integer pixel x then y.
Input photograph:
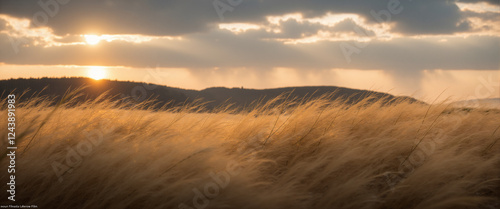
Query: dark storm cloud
{"type": "Point", "coordinates": [178, 17]}
{"type": "Point", "coordinates": [430, 17]}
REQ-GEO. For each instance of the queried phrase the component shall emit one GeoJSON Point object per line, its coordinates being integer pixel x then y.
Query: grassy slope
{"type": "Point", "coordinates": [316, 155]}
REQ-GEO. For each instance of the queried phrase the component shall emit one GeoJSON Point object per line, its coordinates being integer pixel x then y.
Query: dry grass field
{"type": "Point", "coordinates": [283, 154]}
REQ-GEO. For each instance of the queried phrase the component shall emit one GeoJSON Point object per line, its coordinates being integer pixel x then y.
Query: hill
{"type": "Point", "coordinates": [138, 92]}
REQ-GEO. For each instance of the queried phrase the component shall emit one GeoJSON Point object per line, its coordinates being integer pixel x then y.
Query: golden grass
{"type": "Point", "coordinates": [300, 154]}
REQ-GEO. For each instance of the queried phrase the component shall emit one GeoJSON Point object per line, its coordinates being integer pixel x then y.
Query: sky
{"type": "Point", "coordinates": [423, 48]}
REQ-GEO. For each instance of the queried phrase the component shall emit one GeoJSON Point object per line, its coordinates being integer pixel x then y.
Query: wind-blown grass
{"type": "Point", "coordinates": [298, 154]}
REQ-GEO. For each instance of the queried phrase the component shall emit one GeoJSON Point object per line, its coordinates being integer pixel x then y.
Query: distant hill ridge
{"type": "Point", "coordinates": [215, 96]}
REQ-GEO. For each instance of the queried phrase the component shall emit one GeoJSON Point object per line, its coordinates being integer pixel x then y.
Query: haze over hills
{"type": "Point", "coordinates": [215, 96]}
{"type": "Point", "coordinates": [488, 103]}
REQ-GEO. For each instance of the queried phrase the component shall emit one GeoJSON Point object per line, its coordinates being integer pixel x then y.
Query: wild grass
{"type": "Point", "coordinates": [287, 153]}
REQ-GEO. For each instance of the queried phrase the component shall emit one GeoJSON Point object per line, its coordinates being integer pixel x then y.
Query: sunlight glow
{"type": "Point", "coordinates": [97, 72]}
{"type": "Point", "coordinates": [481, 7]}
{"type": "Point", "coordinates": [92, 39]}
{"type": "Point", "coordinates": [238, 27]}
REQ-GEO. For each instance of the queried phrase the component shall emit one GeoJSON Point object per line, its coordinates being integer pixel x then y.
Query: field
{"type": "Point", "coordinates": [283, 154]}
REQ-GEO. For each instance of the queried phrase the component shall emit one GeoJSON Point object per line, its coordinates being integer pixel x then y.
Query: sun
{"type": "Point", "coordinates": [92, 39]}
{"type": "Point", "coordinates": [96, 72]}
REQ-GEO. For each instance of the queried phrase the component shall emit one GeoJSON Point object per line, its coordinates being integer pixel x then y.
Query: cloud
{"type": "Point", "coordinates": [349, 26]}
{"type": "Point", "coordinates": [199, 42]}
{"type": "Point", "coordinates": [492, 2]}
{"type": "Point", "coordinates": [3, 25]}
{"type": "Point", "coordinates": [293, 29]}
{"type": "Point", "coordinates": [180, 17]}
{"type": "Point", "coordinates": [430, 17]}
{"type": "Point", "coordinates": [118, 17]}
{"type": "Point", "coordinates": [225, 49]}
{"type": "Point", "coordinates": [485, 22]}
{"type": "Point", "coordinates": [485, 16]}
